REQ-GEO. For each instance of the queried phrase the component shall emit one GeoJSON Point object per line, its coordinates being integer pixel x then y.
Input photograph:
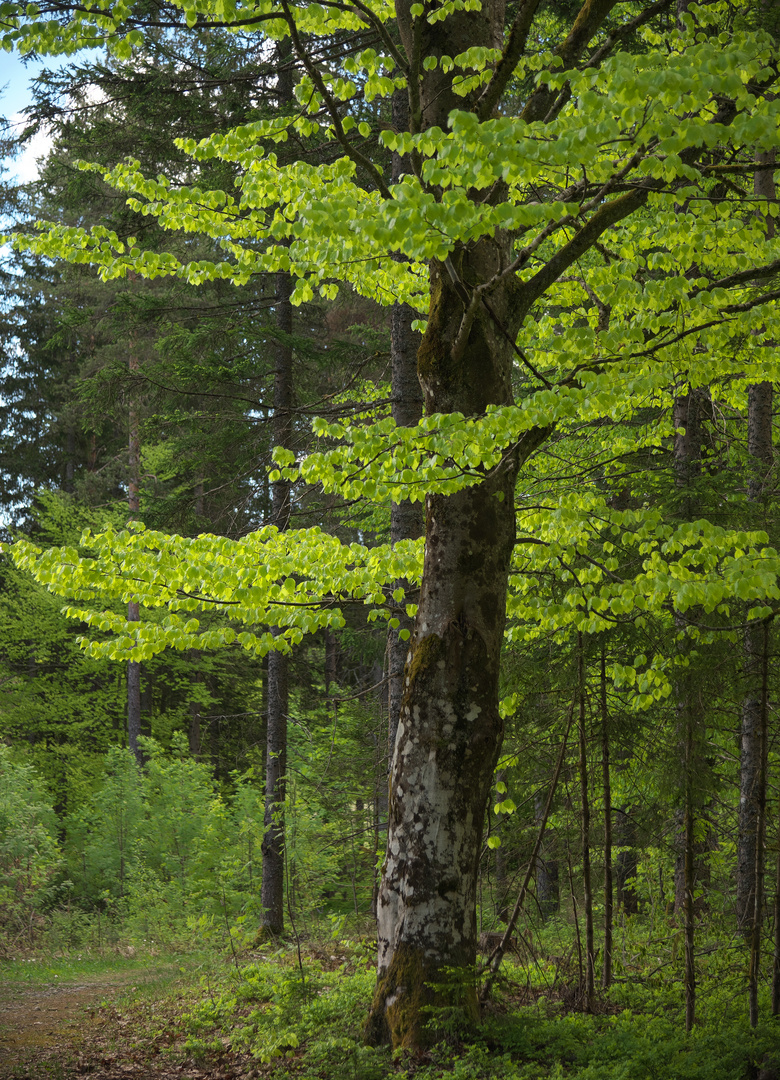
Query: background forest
{"type": "Point", "coordinates": [632, 845]}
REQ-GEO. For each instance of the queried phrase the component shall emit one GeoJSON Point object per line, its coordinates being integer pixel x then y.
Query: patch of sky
{"type": "Point", "coordinates": [17, 75]}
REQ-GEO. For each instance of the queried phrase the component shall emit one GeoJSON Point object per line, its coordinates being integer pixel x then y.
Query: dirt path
{"type": "Point", "coordinates": [76, 1028]}
{"type": "Point", "coordinates": [44, 1027]}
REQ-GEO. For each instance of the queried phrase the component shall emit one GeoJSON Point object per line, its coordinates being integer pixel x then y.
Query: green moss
{"type": "Point", "coordinates": [424, 656]}
{"type": "Point", "coordinates": [416, 1004]}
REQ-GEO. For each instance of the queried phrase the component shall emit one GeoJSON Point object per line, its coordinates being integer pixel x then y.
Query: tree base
{"type": "Point", "coordinates": [418, 1003]}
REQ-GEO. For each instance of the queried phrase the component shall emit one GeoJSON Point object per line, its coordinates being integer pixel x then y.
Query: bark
{"type": "Point", "coordinates": [133, 610]}
{"type": "Point", "coordinates": [758, 886]}
{"type": "Point", "coordinates": [195, 735]}
{"type": "Point", "coordinates": [406, 518]}
{"type": "Point", "coordinates": [606, 788]}
{"type": "Point", "coordinates": [749, 772]}
{"type": "Point", "coordinates": [626, 861]}
{"type": "Point", "coordinates": [687, 418]}
{"type": "Point", "coordinates": [590, 958]}
{"type": "Point", "coordinates": [547, 870]}
{"type": "Point", "coordinates": [689, 878]}
{"type": "Point", "coordinates": [760, 457]}
{"type": "Point", "coordinates": [776, 958]}
{"type": "Point", "coordinates": [272, 888]}
{"type": "Point", "coordinates": [449, 732]}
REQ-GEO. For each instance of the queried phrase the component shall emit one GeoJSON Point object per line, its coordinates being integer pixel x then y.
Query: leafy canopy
{"type": "Point", "coordinates": [640, 263]}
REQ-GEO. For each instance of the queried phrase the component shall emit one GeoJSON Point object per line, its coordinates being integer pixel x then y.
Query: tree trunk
{"type": "Point", "coordinates": [776, 958]}
{"type": "Point", "coordinates": [587, 889]}
{"type": "Point", "coordinates": [406, 518]}
{"type": "Point", "coordinates": [606, 788]}
{"type": "Point", "coordinates": [272, 889]}
{"type": "Point", "coordinates": [689, 856]}
{"type": "Point", "coordinates": [133, 609]}
{"type": "Point", "coordinates": [626, 862]}
{"type": "Point", "coordinates": [760, 833]}
{"type": "Point", "coordinates": [687, 418]}
{"type": "Point", "coordinates": [547, 871]}
{"type": "Point", "coordinates": [760, 456]}
{"type": "Point", "coordinates": [449, 732]}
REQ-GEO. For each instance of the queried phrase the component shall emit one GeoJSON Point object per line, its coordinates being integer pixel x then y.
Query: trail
{"type": "Point", "coordinates": [43, 1026]}
{"type": "Point", "coordinates": [71, 1028]}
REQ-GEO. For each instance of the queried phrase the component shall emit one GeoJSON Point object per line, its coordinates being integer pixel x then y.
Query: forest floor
{"type": "Point", "coordinates": [277, 1015]}
{"type": "Point", "coordinates": [106, 1020]}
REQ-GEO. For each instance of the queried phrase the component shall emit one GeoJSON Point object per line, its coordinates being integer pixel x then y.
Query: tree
{"type": "Point", "coordinates": [604, 185]}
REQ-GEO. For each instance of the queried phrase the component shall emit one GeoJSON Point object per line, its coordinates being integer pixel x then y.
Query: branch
{"type": "Point", "coordinates": [588, 22]}
{"type": "Point", "coordinates": [505, 68]}
{"type": "Point", "coordinates": [351, 151]}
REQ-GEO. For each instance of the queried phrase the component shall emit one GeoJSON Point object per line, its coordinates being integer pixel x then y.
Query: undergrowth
{"type": "Point", "coordinates": [275, 1013]}
{"type": "Point", "coordinates": [307, 1021]}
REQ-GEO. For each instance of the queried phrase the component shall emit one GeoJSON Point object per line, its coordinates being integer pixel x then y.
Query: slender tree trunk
{"type": "Point", "coordinates": [687, 418]}
{"type": "Point", "coordinates": [776, 959]}
{"type": "Point", "coordinates": [547, 871]}
{"type": "Point", "coordinates": [689, 856]}
{"type": "Point", "coordinates": [606, 787]}
{"type": "Point", "coordinates": [590, 958]}
{"type": "Point", "coordinates": [195, 736]}
{"type": "Point", "coordinates": [760, 834]}
{"type": "Point", "coordinates": [406, 518]}
{"type": "Point", "coordinates": [626, 862]}
{"type": "Point", "coordinates": [760, 457]}
{"type": "Point", "coordinates": [272, 888]}
{"type": "Point", "coordinates": [273, 850]}
{"type": "Point", "coordinates": [133, 609]}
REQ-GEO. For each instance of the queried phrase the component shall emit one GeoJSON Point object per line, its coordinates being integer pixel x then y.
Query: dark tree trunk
{"type": "Point", "coordinates": [133, 609]}
{"type": "Point", "coordinates": [689, 878]}
{"type": "Point", "coordinates": [626, 862]}
{"type": "Point", "coordinates": [776, 958]}
{"type": "Point", "coordinates": [760, 458]}
{"type": "Point", "coordinates": [606, 788]}
{"type": "Point", "coordinates": [760, 833]}
{"type": "Point", "coordinates": [689, 410]}
{"type": "Point", "coordinates": [272, 889]}
{"type": "Point", "coordinates": [195, 735]}
{"type": "Point", "coordinates": [547, 871]}
{"type": "Point", "coordinates": [587, 888]}
{"type": "Point", "coordinates": [406, 518]}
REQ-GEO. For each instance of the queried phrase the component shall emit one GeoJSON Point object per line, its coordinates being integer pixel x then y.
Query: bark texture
{"type": "Point", "coordinates": [449, 731]}
{"type": "Point", "coordinates": [626, 861]}
{"type": "Point", "coordinates": [548, 897]}
{"type": "Point", "coordinates": [687, 417]}
{"type": "Point", "coordinates": [760, 459]}
{"type": "Point", "coordinates": [406, 518]}
{"type": "Point", "coordinates": [133, 609]}
{"type": "Point", "coordinates": [606, 789]}
{"type": "Point", "coordinates": [272, 888]}
{"type": "Point", "coordinates": [587, 888]}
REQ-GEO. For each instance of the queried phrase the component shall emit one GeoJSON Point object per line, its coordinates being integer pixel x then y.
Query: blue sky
{"type": "Point", "coordinates": [15, 79]}
{"type": "Point", "coordinates": [15, 95]}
